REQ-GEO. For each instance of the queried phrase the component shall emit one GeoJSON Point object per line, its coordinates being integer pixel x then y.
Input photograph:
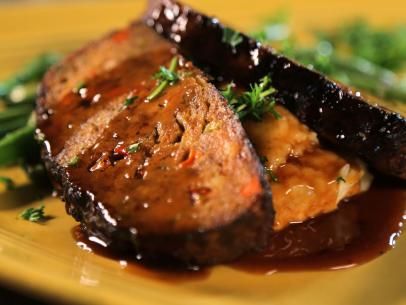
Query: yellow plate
{"type": "Point", "coordinates": [45, 258]}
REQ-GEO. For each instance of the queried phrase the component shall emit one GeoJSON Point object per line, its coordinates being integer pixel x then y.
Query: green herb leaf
{"type": "Point", "coordinates": [271, 174]}
{"type": "Point", "coordinates": [231, 37]}
{"type": "Point", "coordinates": [268, 170]}
{"type": "Point", "coordinates": [133, 148]}
{"type": "Point", "coordinates": [228, 93]}
{"type": "Point", "coordinates": [129, 101]}
{"type": "Point", "coordinates": [165, 78]}
{"type": "Point", "coordinates": [165, 74]}
{"type": "Point", "coordinates": [9, 183]}
{"type": "Point", "coordinates": [34, 214]}
{"type": "Point", "coordinates": [254, 103]}
{"type": "Point", "coordinates": [74, 161]}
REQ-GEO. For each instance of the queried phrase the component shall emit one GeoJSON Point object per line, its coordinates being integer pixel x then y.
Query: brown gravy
{"type": "Point", "coordinates": [362, 229]}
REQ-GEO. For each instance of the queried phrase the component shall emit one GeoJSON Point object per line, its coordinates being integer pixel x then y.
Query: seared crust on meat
{"type": "Point", "coordinates": [192, 190]}
{"type": "Point", "coordinates": [337, 114]}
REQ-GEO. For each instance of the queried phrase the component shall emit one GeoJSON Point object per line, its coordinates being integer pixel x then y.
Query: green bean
{"type": "Point", "coordinates": [370, 53]}
{"type": "Point", "coordinates": [15, 112]}
{"type": "Point", "coordinates": [383, 47]}
{"type": "Point", "coordinates": [18, 145]}
{"type": "Point", "coordinates": [355, 71]}
{"type": "Point", "coordinates": [22, 94]}
{"type": "Point", "coordinates": [30, 73]}
{"type": "Point", "coordinates": [11, 125]}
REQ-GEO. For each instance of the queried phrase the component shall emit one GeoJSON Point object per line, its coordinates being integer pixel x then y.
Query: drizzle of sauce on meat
{"type": "Point", "coordinates": [165, 130]}
{"type": "Point", "coordinates": [360, 230]}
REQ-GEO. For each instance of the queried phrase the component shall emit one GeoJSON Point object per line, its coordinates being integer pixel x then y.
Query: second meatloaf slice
{"type": "Point", "coordinates": [172, 177]}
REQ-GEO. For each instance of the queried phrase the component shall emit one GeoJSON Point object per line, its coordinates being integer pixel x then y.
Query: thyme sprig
{"type": "Point", "coordinates": [231, 37]}
{"type": "Point", "coordinates": [253, 103]}
{"type": "Point", "coordinates": [165, 77]}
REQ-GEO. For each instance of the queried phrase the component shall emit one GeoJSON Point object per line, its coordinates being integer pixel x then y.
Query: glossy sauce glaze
{"type": "Point", "coordinates": [360, 230]}
{"type": "Point", "coordinates": [100, 132]}
{"type": "Point", "coordinates": [170, 175]}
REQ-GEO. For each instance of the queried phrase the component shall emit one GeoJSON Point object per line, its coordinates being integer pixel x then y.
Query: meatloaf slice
{"type": "Point", "coordinates": [170, 177]}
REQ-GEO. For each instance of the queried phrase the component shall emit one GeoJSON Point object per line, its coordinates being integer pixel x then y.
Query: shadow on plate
{"type": "Point", "coordinates": [21, 196]}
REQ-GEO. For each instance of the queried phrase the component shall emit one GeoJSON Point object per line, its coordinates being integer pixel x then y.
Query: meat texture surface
{"type": "Point", "coordinates": [173, 177]}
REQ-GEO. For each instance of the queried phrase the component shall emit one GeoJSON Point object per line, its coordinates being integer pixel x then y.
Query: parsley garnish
{"type": "Point", "coordinates": [271, 174]}
{"type": "Point", "coordinates": [133, 148]}
{"type": "Point", "coordinates": [165, 74]}
{"type": "Point", "coordinates": [165, 78]}
{"type": "Point", "coordinates": [340, 179]}
{"type": "Point", "coordinates": [34, 214]}
{"type": "Point", "coordinates": [130, 100]}
{"type": "Point", "coordinates": [253, 103]}
{"type": "Point", "coordinates": [7, 182]}
{"type": "Point", "coordinates": [231, 37]}
{"type": "Point", "coordinates": [74, 161]}
{"type": "Point", "coordinates": [268, 170]}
